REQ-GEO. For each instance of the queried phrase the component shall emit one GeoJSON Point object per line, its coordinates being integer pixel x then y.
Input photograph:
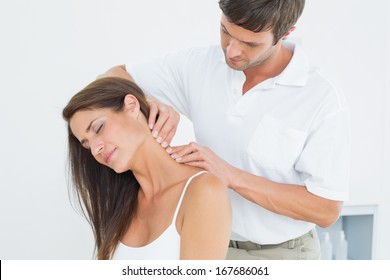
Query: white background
{"type": "Point", "coordinates": [49, 50]}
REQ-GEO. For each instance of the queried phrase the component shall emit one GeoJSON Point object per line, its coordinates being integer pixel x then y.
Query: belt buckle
{"type": "Point", "coordinates": [234, 244]}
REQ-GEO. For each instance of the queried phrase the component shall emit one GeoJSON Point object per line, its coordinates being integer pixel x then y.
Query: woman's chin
{"type": "Point", "coordinates": [120, 170]}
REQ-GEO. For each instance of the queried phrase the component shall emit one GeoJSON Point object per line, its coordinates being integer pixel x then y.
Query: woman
{"type": "Point", "coordinates": [140, 202]}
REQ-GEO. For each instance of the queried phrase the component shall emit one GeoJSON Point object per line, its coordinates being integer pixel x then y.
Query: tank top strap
{"type": "Point", "coordinates": [182, 195]}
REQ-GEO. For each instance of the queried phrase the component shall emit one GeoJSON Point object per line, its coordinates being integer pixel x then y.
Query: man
{"type": "Point", "coordinates": [266, 122]}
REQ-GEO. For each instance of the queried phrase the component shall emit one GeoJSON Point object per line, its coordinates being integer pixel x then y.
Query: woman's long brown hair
{"type": "Point", "coordinates": [108, 199]}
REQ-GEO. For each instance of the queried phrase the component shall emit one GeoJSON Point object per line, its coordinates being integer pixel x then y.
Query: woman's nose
{"type": "Point", "coordinates": [96, 148]}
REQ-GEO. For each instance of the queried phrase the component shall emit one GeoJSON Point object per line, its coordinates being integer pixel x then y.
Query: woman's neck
{"type": "Point", "coordinates": [156, 170]}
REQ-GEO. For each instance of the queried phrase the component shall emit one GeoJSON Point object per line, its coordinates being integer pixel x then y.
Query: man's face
{"type": "Point", "coordinates": [243, 48]}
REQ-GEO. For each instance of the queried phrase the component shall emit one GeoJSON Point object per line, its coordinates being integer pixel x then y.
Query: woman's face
{"type": "Point", "coordinates": [112, 137]}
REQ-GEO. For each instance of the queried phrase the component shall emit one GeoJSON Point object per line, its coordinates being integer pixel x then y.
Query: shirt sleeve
{"type": "Point", "coordinates": [325, 161]}
{"type": "Point", "coordinates": [164, 79]}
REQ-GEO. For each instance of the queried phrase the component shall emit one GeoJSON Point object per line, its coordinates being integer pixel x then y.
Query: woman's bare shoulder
{"type": "Point", "coordinates": [206, 224]}
{"type": "Point", "coordinates": [207, 182]}
{"type": "Point", "coordinates": [206, 187]}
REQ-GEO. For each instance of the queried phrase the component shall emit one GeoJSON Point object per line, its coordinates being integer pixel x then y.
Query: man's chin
{"type": "Point", "coordinates": [234, 66]}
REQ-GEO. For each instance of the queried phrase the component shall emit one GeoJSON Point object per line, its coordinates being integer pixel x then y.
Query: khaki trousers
{"type": "Point", "coordinates": [305, 247]}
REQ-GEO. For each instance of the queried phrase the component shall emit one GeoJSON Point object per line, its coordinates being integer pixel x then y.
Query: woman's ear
{"type": "Point", "coordinates": [132, 105]}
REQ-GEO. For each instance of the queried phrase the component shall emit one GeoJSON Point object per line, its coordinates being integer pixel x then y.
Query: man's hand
{"type": "Point", "coordinates": [202, 157]}
{"type": "Point", "coordinates": [163, 121]}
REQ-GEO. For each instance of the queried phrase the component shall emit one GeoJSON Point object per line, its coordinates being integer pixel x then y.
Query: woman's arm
{"type": "Point", "coordinates": [206, 222]}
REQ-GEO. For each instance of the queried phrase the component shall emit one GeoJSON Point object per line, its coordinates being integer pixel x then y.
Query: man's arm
{"type": "Point", "coordinates": [163, 119]}
{"type": "Point", "coordinates": [293, 201]}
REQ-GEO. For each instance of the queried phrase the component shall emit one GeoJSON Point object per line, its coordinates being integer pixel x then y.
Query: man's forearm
{"type": "Point", "coordinates": [294, 201]}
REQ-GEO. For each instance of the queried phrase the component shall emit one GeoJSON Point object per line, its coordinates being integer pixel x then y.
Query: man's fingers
{"type": "Point", "coordinates": [186, 150]}
{"type": "Point", "coordinates": [174, 149]}
{"type": "Point", "coordinates": [168, 138]}
{"type": "Point", "coordinates": [189, 157]}
{"type": "Point", "coordinates": [152, 115]}
{"type": "Point", "coordinates": [168, 131]}
{"type": "Point", "coordinates": [161, 121]}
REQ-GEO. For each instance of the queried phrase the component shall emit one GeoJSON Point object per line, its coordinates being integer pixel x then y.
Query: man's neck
{"type": "Point", "coordinates": [269, 69]}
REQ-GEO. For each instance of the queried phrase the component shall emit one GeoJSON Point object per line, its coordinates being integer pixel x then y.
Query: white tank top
{"type": "Point", "coordinates": [164, 247]}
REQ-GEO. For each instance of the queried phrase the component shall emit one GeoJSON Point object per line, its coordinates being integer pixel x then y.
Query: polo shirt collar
{"type": "Point", "coordinates": [297, 71]}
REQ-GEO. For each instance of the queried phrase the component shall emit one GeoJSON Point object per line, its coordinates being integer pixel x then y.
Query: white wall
{"type": "Point", "coordinates": [51, 49]}
{"type": "Point", "coordinates": [382, 242]}
{"type": "Point", "coordinates": [347, 40]}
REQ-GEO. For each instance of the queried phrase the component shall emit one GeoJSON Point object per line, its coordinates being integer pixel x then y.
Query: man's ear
{"type": "Point", "coordinates": [291, 30]}
{"type": "Point", "coordinates": [131, 105]}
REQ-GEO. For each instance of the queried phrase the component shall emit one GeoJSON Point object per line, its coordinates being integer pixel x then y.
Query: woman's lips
{"type": "Point", "coordinates": [107, 157]}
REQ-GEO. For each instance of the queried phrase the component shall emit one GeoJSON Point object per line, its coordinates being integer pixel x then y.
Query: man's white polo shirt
{"type": "Point", "coordinates": [293, 128]}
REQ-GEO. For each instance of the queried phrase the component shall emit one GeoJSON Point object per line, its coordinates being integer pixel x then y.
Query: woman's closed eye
{"type": "Point", "coordinates": [99, 127]}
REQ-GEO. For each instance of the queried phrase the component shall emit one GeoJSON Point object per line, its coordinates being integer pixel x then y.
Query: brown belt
{"type": "Point", "coordinates": [290, 244]}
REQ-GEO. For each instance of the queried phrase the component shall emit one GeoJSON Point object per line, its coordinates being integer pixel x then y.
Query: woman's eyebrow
{"type": "Point", "coordinates": [89, 126]}
{"type": "Point", "coordinates": [82, 142]}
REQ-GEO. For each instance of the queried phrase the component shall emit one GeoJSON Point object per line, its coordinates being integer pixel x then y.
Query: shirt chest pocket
{"type": "Point", "coordinates": [275, 145]}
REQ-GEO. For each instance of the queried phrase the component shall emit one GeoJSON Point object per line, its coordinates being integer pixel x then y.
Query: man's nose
{"type": "Point", "coordinates": [233, 49]}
